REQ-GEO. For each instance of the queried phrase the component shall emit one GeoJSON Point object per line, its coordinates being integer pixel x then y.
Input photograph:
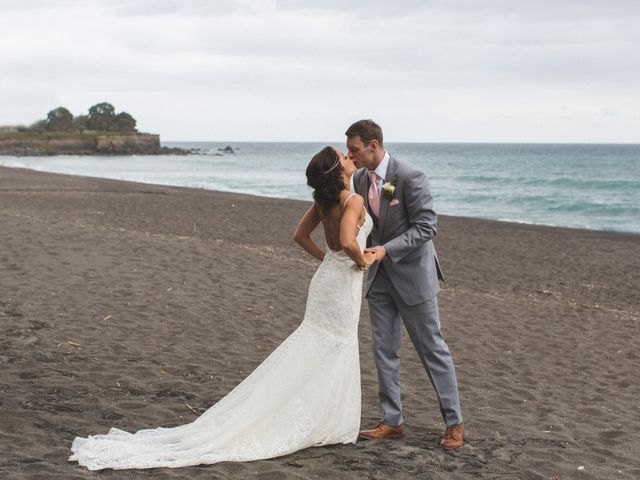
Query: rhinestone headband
{"type": "Point", "coordinates": [333, 166]}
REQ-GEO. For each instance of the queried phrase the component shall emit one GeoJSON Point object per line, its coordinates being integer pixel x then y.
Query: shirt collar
{"type": "Point", "coordinates": [381, 169]}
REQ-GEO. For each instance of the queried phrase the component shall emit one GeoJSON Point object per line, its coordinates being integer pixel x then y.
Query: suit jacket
{"type": "Point", "coordinates": [406, 227]}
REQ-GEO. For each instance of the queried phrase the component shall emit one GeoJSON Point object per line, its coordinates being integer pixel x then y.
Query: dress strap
{"type": "Point", "coordinates": [344, 205]}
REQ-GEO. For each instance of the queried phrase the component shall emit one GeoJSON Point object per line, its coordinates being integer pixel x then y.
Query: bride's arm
{"type": "Point", "coordinates": [308, 223]}
{"type": "Point", "coordinates": [349, 232]}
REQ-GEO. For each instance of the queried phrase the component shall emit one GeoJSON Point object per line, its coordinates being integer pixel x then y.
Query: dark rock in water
{"type": "Point", "coordinates": [177, 151]}
{"type": "Point", "coordinates": [226, 149]}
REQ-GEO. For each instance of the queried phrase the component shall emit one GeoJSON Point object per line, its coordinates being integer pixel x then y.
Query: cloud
{"type": "Point", "coordinates": [447, 65]}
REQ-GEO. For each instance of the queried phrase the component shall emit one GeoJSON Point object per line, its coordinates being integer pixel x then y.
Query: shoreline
{"type": "Point", "coordinates": [133, 305]}
{"type": "Point", "coordinates": [461, 217]}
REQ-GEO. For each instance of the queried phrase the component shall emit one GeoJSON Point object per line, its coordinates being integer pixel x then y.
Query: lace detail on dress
{"type": "Point", "coordinates": [310, 384]}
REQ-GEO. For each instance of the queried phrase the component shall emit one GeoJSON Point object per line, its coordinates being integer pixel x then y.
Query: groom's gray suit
{"type": "Point", "coordinates": [405, 286]}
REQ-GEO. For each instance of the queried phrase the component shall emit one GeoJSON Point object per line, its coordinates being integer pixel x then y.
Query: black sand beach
{"type": "Point", "coordinates": [135, 306]}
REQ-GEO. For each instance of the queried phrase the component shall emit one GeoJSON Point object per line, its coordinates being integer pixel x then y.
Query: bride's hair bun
{"type": "Point", "coordinates": [324, 176]}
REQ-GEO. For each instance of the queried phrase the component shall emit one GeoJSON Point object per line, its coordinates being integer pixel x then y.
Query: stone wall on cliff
{"type": "Point", "coordinates": [94, 143]}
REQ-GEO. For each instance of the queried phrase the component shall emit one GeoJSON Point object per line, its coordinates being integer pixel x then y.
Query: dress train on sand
{"type": "Point", "coordinates": [305, 394]}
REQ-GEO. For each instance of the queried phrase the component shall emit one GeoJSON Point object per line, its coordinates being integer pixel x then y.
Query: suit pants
{"type": "Point", "coordinates": [422, 322]}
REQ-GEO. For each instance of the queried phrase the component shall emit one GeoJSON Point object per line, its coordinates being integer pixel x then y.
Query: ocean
{"type": "Point", "coordinates": [586, 186]}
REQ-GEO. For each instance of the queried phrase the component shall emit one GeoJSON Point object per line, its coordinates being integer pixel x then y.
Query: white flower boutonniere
{"type": "Point", "coordinates": [389, 188]}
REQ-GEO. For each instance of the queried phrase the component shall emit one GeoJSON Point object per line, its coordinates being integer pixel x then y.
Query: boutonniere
{"type": "Point", "coordinates": [389, 188]}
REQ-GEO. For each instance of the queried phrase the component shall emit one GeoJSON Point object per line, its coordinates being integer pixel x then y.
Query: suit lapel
{"type": "Point", "coordinates": [364, 188]}
{"type": "Point", "coordinates": [392, 169]}
{"type": "Point", "coordinates": [365, 182]}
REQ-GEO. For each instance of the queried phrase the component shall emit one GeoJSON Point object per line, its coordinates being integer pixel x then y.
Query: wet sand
{"type": "Point", "coordinates": [136, 306]}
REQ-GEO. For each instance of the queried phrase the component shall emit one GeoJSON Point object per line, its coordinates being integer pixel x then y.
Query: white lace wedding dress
{"type": "Point", "coordinates": [305, 394]}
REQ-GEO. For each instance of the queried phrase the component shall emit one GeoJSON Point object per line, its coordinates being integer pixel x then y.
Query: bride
{"type": "Point", "coordinates": [307, 392]}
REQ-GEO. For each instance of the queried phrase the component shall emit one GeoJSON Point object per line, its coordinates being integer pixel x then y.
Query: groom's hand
{"type": "Point", "coordinates": [380, 252]}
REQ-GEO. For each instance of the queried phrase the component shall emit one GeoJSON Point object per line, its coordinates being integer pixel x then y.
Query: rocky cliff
{"type": "Point", "coordinates": [85, 143]}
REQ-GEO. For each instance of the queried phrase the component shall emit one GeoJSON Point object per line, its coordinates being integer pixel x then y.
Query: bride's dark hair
{"type": "Point", "coordinates": [323, 175]}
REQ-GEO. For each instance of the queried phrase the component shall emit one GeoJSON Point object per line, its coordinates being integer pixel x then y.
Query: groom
{"type": "Point", "coordinates": [403, 283]}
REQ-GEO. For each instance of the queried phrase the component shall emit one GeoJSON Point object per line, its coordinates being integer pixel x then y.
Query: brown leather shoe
{"type": "Point", "coordinates": [383, 431]}
{"type": "Point", "coordinates": [453, 437]}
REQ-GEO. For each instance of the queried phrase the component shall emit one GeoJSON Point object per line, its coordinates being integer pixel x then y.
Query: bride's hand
{"type": "Point", "coordinates": [369, 259]}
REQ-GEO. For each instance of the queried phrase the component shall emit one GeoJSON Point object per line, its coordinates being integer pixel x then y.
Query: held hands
{"type": "Point", "coordinates": [369, 259]}
{"type": "Point", "coordinates": [378, 252]}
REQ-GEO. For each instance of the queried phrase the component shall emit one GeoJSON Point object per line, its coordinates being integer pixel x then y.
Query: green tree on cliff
{"type": "Point", "coordinates": [80, 123]}
{"type": "Point", "coordinates": [59, 120]}
{"type": "Point", "coordinates": [102, 116]}
{"type": "Point", "coordinates": [125, 123]}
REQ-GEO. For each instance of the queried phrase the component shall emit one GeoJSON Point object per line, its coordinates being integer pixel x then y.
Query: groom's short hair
{"type": "Point", "coordinates": [367, 130]}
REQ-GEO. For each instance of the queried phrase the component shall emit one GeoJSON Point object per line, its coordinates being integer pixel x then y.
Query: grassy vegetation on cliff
{"type": "Point", "coordinates": [48, 134]}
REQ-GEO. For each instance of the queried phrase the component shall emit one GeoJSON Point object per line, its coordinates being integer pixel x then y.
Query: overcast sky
{"type": "Point", "coordinates": [442, 71]}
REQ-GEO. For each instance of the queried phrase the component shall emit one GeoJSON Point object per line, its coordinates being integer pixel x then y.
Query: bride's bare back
{"type": "Point", "coordinates": [332, 222]}
{"type": "Point", "coordinates": [341, 226]}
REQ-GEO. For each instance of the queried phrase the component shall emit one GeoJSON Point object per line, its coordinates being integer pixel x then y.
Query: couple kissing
{"type": "Point", "coordinates": [377, 215]}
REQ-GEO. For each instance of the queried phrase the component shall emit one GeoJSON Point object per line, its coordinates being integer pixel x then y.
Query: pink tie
{"type": "Point", "coordinates": [374, 196]}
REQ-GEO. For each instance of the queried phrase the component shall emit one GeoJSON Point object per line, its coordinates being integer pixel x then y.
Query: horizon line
{"type": "Point", "coordinates": [421, 142]}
